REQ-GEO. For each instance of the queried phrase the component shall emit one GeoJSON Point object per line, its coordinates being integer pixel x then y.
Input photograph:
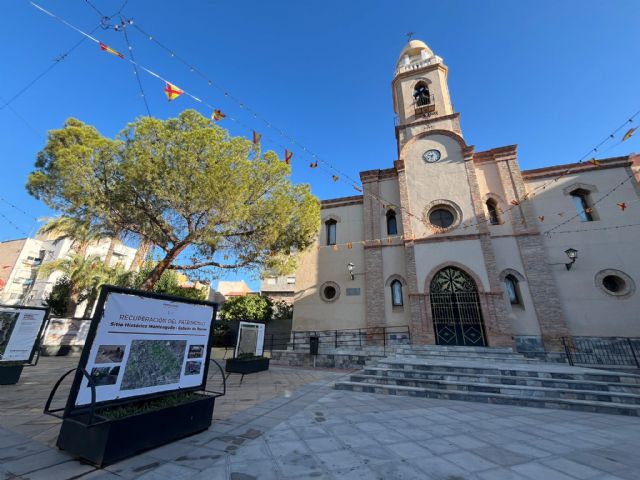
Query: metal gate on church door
{"type": "Point", "coordinates": [455, 307]}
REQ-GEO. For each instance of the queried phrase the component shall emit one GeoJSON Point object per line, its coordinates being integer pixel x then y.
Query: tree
{"type": "Point", "coordinates": [58, 299]}
{"type": "Point", "coordinates": [85, 276]}
{"type": "Point", "coordinates": [183, 185]}
{"type": "Point", "coordinates": [250, 308]}
{"type": "Point", "coordinates": [168, 283]}
{"type": "Point", "coordinates": [281, 309]}
{"type": "Point", "coordinates": [79, 231]}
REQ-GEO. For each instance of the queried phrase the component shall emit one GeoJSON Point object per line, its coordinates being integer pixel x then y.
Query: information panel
{"type": "Point", "coordinates": [250, 339]}
{"type": "Point", "coordinates": [19, 331]}
{"type": "Point", "coordinates": [145, 345]}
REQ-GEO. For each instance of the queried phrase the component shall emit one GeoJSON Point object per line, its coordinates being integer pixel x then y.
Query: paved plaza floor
{"type": "Point", "coordinates": [290, 424]}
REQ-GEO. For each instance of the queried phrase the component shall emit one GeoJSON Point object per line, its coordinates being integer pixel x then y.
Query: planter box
{"type": "Point", "coordinates": [109, 441]}
{"type": "Point", "coordinates": [10, 374]}
{"type": "Point", "coordinates": [235, 365]}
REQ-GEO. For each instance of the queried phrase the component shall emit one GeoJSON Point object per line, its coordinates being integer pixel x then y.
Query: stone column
{"type": "Point", "coordinates": [497, 324]}
{"type": "Point", "coordinates": [542, 286]}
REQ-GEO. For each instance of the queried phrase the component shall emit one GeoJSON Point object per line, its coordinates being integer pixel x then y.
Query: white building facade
{"type": "Point", "coordinates": [464, 248]}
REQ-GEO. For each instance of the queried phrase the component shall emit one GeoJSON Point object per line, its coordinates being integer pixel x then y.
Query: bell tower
{"type": "Point", "coordinates": [421, 98]}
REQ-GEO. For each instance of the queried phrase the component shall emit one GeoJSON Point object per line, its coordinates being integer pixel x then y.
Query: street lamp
{"type": "Point", "coordinates": [572, 253]}
{"type": "Point", "coordinates": [350, 266]}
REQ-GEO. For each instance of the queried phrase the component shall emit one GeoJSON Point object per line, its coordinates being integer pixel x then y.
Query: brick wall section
{"type": "Point", "coordinates": [542, 285]}
{"type": "Point", "coordinates": [374, 281]}
{"type": "Point", "coordinates": [498, 327]}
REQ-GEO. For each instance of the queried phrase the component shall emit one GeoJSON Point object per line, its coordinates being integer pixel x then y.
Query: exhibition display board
{"type": "Point", "coordinates": [20, 331]}
{"type": "Point", "coordinates": [250, 339]}
{"type": "Point", "coordinates": [141, 345]}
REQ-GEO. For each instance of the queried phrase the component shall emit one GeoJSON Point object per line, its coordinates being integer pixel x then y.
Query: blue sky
{"type": "Point", "coordinates": [553, 77]}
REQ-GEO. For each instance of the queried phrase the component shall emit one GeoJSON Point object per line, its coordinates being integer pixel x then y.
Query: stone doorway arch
{"type": "Point", "coordinates": [455, 309]}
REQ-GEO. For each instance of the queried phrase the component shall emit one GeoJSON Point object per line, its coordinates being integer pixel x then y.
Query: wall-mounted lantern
{"type": "Point", "coordinates": [350, 266]}
{"type": "Point", "coordinates": [572, 253]}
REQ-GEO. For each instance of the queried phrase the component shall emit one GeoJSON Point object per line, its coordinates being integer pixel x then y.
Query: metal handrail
{"type": "Point", "coordinates": [610, 351]}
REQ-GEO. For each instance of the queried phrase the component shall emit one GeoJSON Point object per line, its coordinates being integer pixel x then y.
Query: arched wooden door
{"type": "Point", "coordinates": [455, 307]}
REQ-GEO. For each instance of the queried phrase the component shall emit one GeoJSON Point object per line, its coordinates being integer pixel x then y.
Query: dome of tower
{"type": "Point", "coordinates": [414, 50]}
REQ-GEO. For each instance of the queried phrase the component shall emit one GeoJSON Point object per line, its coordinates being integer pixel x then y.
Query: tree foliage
{"type": "Point", "coordinates": [249, 308]}
{"type": "Point", "coordinates": [59, 296]}
{"type": "Point", "coordinates": [184, 185]}
{"type": "Point", "coordinates": [168, 283]}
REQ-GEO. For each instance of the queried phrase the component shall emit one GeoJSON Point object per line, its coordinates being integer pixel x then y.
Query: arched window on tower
{"type": "Point", "coordinates": [513, 290]}
{"type": "Point", "coordinates": [392, 223]}
{"type": "Point", "coordinates": [492, 209]}
{"type": "Point", "coordinates": [421, 95]}
{"type": "Point", "coordinates": [396, 293]}
{"type": "Point", "coordinates": [331, 226]}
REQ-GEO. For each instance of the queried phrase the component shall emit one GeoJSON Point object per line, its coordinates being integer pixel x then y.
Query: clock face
{"type": "Point", "coordinates": [431, 156]}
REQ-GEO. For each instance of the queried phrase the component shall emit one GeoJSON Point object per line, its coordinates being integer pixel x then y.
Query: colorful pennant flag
{"type": "Point", "coordinates": [313, 165]}
{"type": "Point", "coordinates": [389, 241]}
{"type": "Point", "coordinates": [358, 189]}
{"type": "Point", "coordinates": [349, 245]}
{"type": "Point", "coordinates": [515, 203]}
{"type": "Point", "coordinates": [287, 156]}
{"type": "Point", "coordinates": [629, 133]}
{"type": "Point", "coordinates": [594, 162]}
{"type": "Point", "coordinates": [622, 205]}
{"type": "Point", "coordinates": [336, 248]}
{"type": "Point", "coordinates": [541, 218]}
{"type": "Point", "coordinates": [172, 91]}
{"type": "Point", "coordinates": [108, 49]}
{"type": "Point", "coordinates": [256, 137]}
{"type": "Point", "coordinates": [217, 115]}
{"type": "Point", "coordinates": [335, 178]}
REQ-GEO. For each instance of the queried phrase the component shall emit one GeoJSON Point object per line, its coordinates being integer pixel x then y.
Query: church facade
{"type": "Point", "coordinates": [464, 248]}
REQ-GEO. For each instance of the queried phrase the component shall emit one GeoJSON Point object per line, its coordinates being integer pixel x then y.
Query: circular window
{"type": "Point", "coordinates": [441, 217]}
{"type": "Point", "coordinates": [615, 283]}
{"type": "Point", "coordinates": [329, 291]}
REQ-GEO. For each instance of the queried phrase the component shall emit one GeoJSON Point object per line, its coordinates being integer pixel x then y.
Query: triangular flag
{"type": "Point", "coordinates": [217, 115]}
{"type": "Point", "coordinates": [106, 48]}
{"type": "Point", "coordinates": [515, 203]}
{"type": "Point", "coordinates": [522, 221]}
{"type": "Point", "coordinates": [629, 133]}
{"type": "Point", "coordinates": [336, 248]}
{"type": "Point", "coordinates": [335, 178]}
{"type": "Point", "coordinates": [313, 165]}
{"type": "Point", "coordinates": [390, 241]}
{"type": "Point", "coordinates": [358, 189]}
{"type": "Point", "coordinates": [172, 91]}
{"type": "Point", "coordinates": [622, 205]}
{"type": "Point", "coordinates": [349, 245]}
{"type": "Point", "coordinates": [541, 218]}
{"type": "Point", "coordinates": [561, 214]}
{"type": "Point", "coordinates": [256, 137]}
{"type": "Point", "coordinates": [287, 156]}
{"type": "Point", "coordinates": [594, 162]}
{"type": "Point", "coordinates": [588, 210]}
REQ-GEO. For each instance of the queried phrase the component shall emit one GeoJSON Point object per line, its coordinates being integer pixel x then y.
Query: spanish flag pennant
{"type": "Point", "coordinates": [335, 178]}
{"type": "Point", "coordinates": [226, 257]}
{"type": "Point", "coordinates": [217, 115]}
{"type": "Point", "coordinates": [358, 189]}
{"type": "Point", "coordinates": [349, 245]}
{"type": "Point", "coordinates": [588, 210]}
{"type": "Point", "coordinates": [629, 133]}
{"type": "Point", "coordinates": [336, 248]}
{"type": "Point", "coordinates": [594, 162]}
{"type": "Point", "coordinates": [389, 241]}
{"type": "Point", "coordinates": [541, 218]}
{"type": "Point", "coordinates": [287, 156]}
{"type": "Point", "coordinates": [256, 137]}
{"type": "Point", "coordinates": [622, 205]}
{"type": "Point", "coordinates": [515, 203]}
{"type": "Point", "coordinates": [313, 165]}
{"type": "Point", "coordinates": [172, 91]}
{"type": "Point", "coordinates": [108, 49]}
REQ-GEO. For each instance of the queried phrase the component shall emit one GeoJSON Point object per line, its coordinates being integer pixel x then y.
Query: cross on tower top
{"type": "Point", "coordinates": [409, 35]}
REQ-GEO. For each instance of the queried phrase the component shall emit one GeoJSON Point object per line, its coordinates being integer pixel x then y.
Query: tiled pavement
{"type": "Point", "coordinates": [315, 432]}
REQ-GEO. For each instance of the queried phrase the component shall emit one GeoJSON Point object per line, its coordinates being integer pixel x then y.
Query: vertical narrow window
{"type": "Point", "coordinates": [392, 223]}
{"type": "Point", "coordinates": [492, 209]}
{"type": "Point", "coordinates": [331, 231]}
{"type": "Point", "coordinates": [513, 290]}
{"type": "Point", "coordinates": [581, 201]}
{"type": "Point", "coordinates": [396, 293]}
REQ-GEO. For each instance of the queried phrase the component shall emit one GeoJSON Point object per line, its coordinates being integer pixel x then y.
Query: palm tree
{"type": "Point", "coordinates": [81, 232]}
{"type": "Point", "coordinates": [86, 276]}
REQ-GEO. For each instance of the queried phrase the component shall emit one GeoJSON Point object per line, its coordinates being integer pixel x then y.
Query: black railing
{"type": "Point", "coordinates": [603, 351]}
{"type": "Point", "coordinates": [335, 339]}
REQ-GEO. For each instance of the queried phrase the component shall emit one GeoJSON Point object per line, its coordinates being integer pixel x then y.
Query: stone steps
{"type": "Point", "coordinates": [566, 404]}
{"type": "Point", "coordinates": [513, 390]}
{"type": "Point", "coordinates": [497, 376]}
{"type": "Point", "coordinates": [515, 380]}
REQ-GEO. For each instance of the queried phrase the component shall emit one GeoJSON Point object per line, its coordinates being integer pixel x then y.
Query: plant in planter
{"type": "Point", "coordinates": [246, 363]}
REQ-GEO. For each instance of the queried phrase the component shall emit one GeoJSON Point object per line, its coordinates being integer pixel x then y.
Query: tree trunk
{"type": "Point", "coordinates": [141, 254]}
{"type": "Point", "coordinates": [112, 246]}
{"type": "Point", "coordinates": [161, 266]}
{"type": "Point", "coordinates": [72, 304]}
